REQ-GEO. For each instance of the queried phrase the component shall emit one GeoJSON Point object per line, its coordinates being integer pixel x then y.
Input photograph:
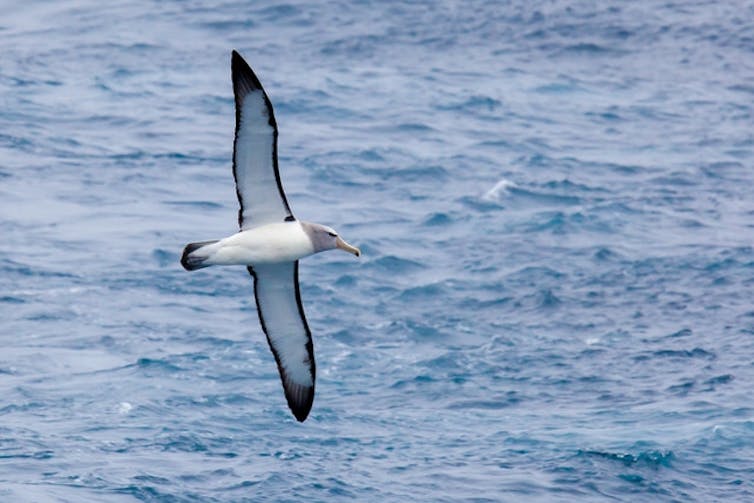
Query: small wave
{"type": "Point", "coordinates": [480, 204]}
{"type": "Point", "coordinates": [493, 404]}
{"type": "Point", "coordinates": [393, 264]}
{"type": "Point", "coordinates": [559, 88]}
{"type": "Point", "coordinates": [156, 364]}
{"type": "Point", "coordinates": [591, 48]}
{"type": "Point", "coordinates": [474, 103]}
{"type": "Point", "coordinates": [604, 254]}
{"type": "Point", "coordinates": [685, 353]}
{"type": "Point", "coordinates": [423, 292]}
{"type": "Point", "coordinates": [500, 188]}
{"type": "Point", "coordinates": [164, 258]}
{"type": "Point", "coordinates": [437, 219]}
{"type": "Point", "coordinates": [413, 127]}
{"type": "Point", "coordinates": [653, 459]}
{"type": "Point", "coordinates": [547, 299]}
{"type": "Point", "coordinates": [546, 198]}
{"type": "Point", "coordinates": [371, 155]}
{"type": "Point", "coordinates": [9, 299]}
{"type": "Point", "coordinates": [684, 332]}
{"type": "Point", "coordinates": [716, 381]}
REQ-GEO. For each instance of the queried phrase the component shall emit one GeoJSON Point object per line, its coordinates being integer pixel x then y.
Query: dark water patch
{"type": "Point", "coordinates": [655, 459]}
{"type": "Point", "coordinates": [424, 330]}
{"type": "Point", "coordinates": [114, 121]}
{"type": "Point", "coordinates": [38, 455]}
{"type": "Point", "coordinates": [676, 179]}
{"type": "Point", "coordinates": [437, 219]}
{"type": "Point", "coordinates": [205, 401]}
{"type": "Point", "coordinates": [474, 303]}
{"type": "Point", "coordinates": [473, 103]}
{"type": "Point", "coordinates": [228, 25]}
{"type": "Point", "coordinates": [501, 145]}
{"type": "Point", "coordinates": [392, 264]}
{"type": "Point", "coordinates": [434, 292]}
{"type": "Point", "coordinates": [609, 117]}
{"type": "Point", "coordinates": [544, 198]}
{"type": "Point", "coordinates": [559, 88]}
{"type": "Point", "coordinates": [605, 254]}
{"type": "Point", "coordinates": [683, 388]}
{"type": "Point", "coordinates": [684, 332]}
{"type": "Point", "coordinates": [282, 10]}
{"type": "Point", "coordinates": [10, 299]}
{"type": "Point", "coordinates": [690, 223]}
{"type": "Point", "coordinates": [316, 107]}
{"type": "Point", "coordinates": [15, 142]}
{"type": "Point", "coordinates": [633, 478]}
{"type": "Point", "coordinates": [371, 155]}
{"type": "Point", "coordinates": [189, 443]}
{"type": "Point", "coordinates": [561, 223]}
{"type": "Point", "coordinates": [209, 205]}
{"type": "Point", "coordinates": [159, 365]}
{"type": "Point", "coordinates": [347, 336]}
{"type": "Point", "coordinates": [496, 403]}
{"type": "Point", "coordinates": [745, 88]}
{"type": "Point", "coordinates": [37, 270]}
{"type": "Point", "coordinates": [567, 185]}
{"type": "Point", "coordinates": [714, 382]}
{"type": "Point", "coordinates": [593, 49]}
{"type": "Point", "coordinates": [534, 275]}
{"type": "Point", "coordinates": [417, 381]}
{"type": "Point", "coordinates": [683, 354]}
{"type": "Point", "coordinates": [152, 479]}
{"type": "Point", "coordinates": [149, 493]}
{"type": "Point", "coordinates": [543, 299]}
{"type": "Point", "coordinates": [480, 204]}
{"type": "Point", "coordinates": [448, 362]}
{"type": "Point", "coordinates": [413, 127]}
{"type": "Point", "coordinates": [554, 222]}
{"type": "Point", "coordinates": [346, 280]}
{"type": "Point", "coordinates": [722, 265]}
{"type": "Point", "coordinates": [23, 408]}
{"type": "Point", "coordinates": [182, 156]}
{"type": "Point", "coordinates": [56, 315]}
{"type": "Point", "coordinates": [165, 258]}
{"type": "Point", "coordinates": [424, 174]}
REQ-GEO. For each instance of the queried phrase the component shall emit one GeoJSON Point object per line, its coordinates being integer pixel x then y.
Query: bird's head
{"type": "Point", "coordinates": [325, 238]}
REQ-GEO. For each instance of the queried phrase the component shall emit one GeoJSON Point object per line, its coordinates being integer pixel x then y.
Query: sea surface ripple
{"type": "Point", "coordinates": [554, 204]}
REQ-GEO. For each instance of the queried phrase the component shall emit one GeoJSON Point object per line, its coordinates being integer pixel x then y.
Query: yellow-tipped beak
{"type": "Point", "coordinates": [346, 247]}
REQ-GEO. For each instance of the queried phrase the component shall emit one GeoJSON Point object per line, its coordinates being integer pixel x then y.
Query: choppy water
{"type": "Point", "coordinates": [554, 201]}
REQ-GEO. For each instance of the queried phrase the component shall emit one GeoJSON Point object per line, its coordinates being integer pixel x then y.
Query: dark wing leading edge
{"type": "Point", "coordinates": [283, 321]}
{"type": "Point", "coordinates": [255, 159]}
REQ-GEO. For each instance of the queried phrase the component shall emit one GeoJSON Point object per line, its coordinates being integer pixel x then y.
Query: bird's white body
{"type": "Point", "coordinates": [267, 244]}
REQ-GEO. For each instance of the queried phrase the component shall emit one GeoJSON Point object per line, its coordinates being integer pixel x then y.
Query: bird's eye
{"type": "Point", "coordinates": [332, 234]}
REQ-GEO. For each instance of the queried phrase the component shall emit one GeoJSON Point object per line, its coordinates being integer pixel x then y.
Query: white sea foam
{"type": "Point", "coordinates": [498, 190]}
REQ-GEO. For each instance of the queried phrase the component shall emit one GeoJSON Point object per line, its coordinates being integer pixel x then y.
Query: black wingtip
{"type": "Point", "coordinates": [243, 76]}
{"type": "Point", "coordinates": [300, 399]}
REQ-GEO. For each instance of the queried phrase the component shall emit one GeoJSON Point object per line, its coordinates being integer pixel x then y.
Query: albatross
{"type": "Point", "coordinates": [270, 241]}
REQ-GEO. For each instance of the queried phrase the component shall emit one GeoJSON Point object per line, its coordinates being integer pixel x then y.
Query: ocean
{"type": "Point", "coordinates": [554, 205]}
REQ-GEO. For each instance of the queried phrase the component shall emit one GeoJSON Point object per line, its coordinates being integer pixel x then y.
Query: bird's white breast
{"type": "Point", "coordinates": [267, 244]}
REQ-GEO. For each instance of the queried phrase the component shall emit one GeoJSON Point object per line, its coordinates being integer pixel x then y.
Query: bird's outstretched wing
{"type": "Point", "coordinates": [255, 158]}
{"type": "Point", "coordinates": [283, 321]}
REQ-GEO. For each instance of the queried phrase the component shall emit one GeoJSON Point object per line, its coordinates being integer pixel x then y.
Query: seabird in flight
{"type": "Point", "coordinates": [271, 240]}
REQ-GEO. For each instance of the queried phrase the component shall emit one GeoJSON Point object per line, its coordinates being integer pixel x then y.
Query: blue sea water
{"type": "Point", "coordinates": [554, 204]}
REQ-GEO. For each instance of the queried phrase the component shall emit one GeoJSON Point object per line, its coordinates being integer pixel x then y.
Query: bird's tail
{"type": "Point", "coordinates": [191, 260]}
